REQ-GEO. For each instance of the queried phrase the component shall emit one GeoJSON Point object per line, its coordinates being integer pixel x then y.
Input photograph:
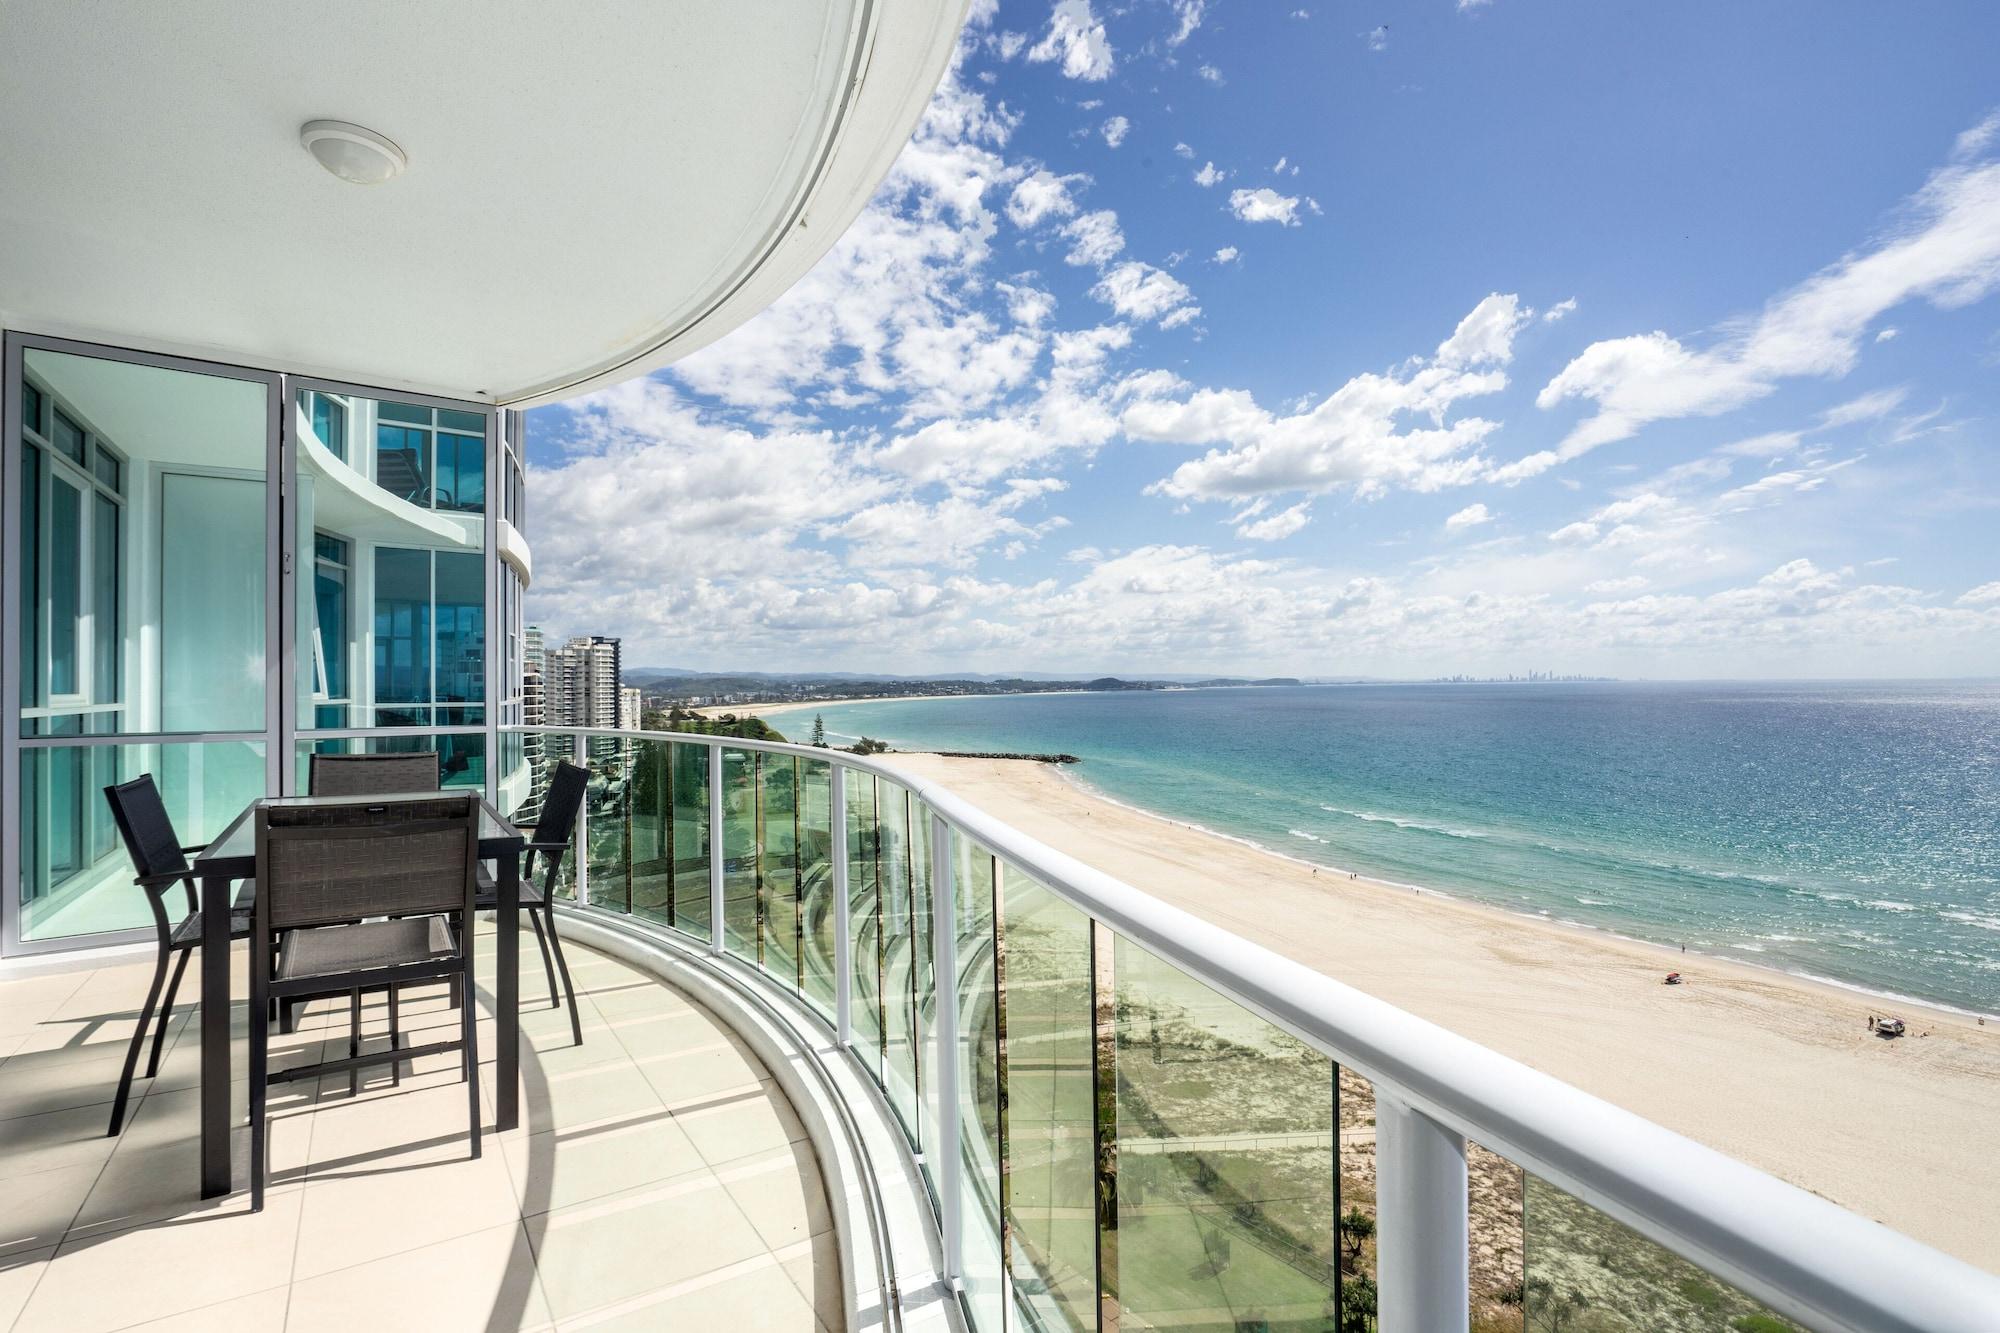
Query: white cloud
{"type": "Point", "coordinates": [1486, 335]}
{"type": "Point", "coordinates": [1042, 195]}
{"type": "Point", "coordinates": [1632, 583]}
{"type": "Point", "coordinates": [1264, 204]}
{"type": "Point", "coordinates": [1097, 238]}
{"type": "Point", "coordinates": [1115, 129]}
{"type": "Point", "coordinates": [1944, 248]}
{"type": "Point", "coordinates": [1887, 334]}
{"type": "Point", "coordinates": [1469, 517]}
{"type": "Point", "coordinates": [1377, 37]}
{"type": "Point", "coordinates": [1278, 526]}
{"type": "Point", "coordinates": [1228, 254]}
{"type": "Point", "coordinates": [1208, 175]}
{"type": "Point", "coordinates": [1353, 438]}
{"type": "Point", "coordinates": [1986, 594]}
{"type": "Point", "coordinates": [1211, 74]}
{"type": "Point", "coordinates": [1974, 142]}
{"type": "Point", "coordinates": [1464, 5]}
{"type": "Point", "coordinates": [1076, 38]}
{"type": "Point", "coordinates": [1137, 290]}
{"type": "Point", "coordinates": [1558, 310]}
{"type": "Point", "coordinates": [1867, 407]}
{"type": "Point", "coordinates": [1007, 45]}
{"type": "Point", "coordinates": [1182, 150]}
{"type": "Point", "coordinates": [1187, 17]}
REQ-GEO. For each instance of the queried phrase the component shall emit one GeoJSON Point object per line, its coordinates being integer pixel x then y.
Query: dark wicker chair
{"type": "Point", "coordinates": [397, 774]}
{"type": "Point", "coordinates": [392, 774]}
{"type": "Point", "coordinates": [551, 838]}
{"type": "Point", "coordinates": [370, 896]}
{"type": "Point", "coordinates": [161, 862]}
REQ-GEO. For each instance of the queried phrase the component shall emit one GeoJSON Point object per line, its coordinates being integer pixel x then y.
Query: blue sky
{"type": "Point", "coordinates": [1329, 339]}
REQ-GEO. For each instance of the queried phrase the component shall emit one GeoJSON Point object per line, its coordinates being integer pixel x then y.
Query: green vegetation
{"type": "Point", "coordinates": [728, 724]}
{"type": "Point", "coordinates": [1760, 1323]}
{"type": "Point", "coordinates": [819, 732]}
{"type": "Point", "coordinates": [1356, 1227]}
{"type": "Point", "coordinates": [869, 745]}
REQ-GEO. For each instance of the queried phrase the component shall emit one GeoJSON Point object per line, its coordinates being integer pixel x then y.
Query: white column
{"type": "Point", "coordinates": [942, 1150]}
{"type": "Point", "coordinates": [1421, 1230]}
{"type": "Point", "coordinates": [715, 849]}
{"type": "Point", "coordinates": [843, 936]}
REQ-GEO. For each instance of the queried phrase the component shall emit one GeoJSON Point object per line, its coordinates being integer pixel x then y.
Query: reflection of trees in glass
{"type": "Point", "coordinates": [1225, 1138]}
{"type": "Point", "coordinates": [1589, 1273]}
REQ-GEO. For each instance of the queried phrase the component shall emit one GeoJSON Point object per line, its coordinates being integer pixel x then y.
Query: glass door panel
{"type": "Point", "coordinates": [211, 604]}
{"type": "Point", "coordinates": [140, 523]}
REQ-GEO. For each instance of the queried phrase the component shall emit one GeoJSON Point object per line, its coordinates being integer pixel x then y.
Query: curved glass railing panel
{"type": "Point", "coordinates": [977, 1074]}
{"type": "Point", "coordinates": [864, 915]}
{"type": "Point", "coordinates": [649, 831]}
{"type": "Point", "coordinates": [778, 866]}
{"type": "Point", "coordinates": [899, 945]}
{"type": "Point", "coordinates": [1113, 1137]}
{"type": "Point", "coordinates": [740, 839]}
{"type": "Point", "coordinates": [819, 963]}
{"type": "Point", "coordinates": [689, 848]}
{"type": "Point", "coordinates": [1225, 1200]}
{"type": "Point", "coordinates": [1047, 1073]}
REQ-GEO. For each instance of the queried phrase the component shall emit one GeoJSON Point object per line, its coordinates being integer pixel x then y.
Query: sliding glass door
{"type": "Point", "coordinates": [172, 609]}
{"type": "Point", "coordinates": [390, 614]}
{"type": "Point", "coordinates": [141, 513]}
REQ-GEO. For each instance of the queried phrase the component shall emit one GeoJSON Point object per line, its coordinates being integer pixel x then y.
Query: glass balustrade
{"type": "Point", "coordinates": [1589, 1272]}
{"type": "Point", "coordinates": [1129, 1146]}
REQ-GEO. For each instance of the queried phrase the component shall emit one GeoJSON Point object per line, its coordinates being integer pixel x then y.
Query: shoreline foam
{"type": "Point", "coordinates": [1938, 1008]}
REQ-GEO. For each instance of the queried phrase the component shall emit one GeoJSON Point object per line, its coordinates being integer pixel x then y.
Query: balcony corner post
{"type": "Point", "coordinates": [1422, 1228]}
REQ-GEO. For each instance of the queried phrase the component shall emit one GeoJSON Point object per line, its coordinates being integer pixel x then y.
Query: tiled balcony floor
{"type": "Point", "coordinates": [659, 1181]}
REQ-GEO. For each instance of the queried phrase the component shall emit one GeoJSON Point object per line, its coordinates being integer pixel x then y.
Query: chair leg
{"type": "Point", "coordinates": [468, 1026]}
{"type": "Point", "coordinates": [569, 987]}
{"type": "Point", "coordinates": [395, 1036]}
{"type": "Point", "coordinates": [166, 1014]}
{"type": "Point", "coordinates": [541, 938]}
{"type": "Point", "coordinates": [260, 1090]}
{"type": "Point", "coordinates": [353, 1040]}
{"type": "Point", "coordinates": [138, 1040]}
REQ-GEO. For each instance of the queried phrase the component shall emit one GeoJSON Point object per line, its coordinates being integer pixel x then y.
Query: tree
{"type": "Point", "coordinates": [819, 732]}
{"type": "Point", "coordinates": [1355, 1229]}
{"type": "Point", "coordinates": [1357, 1304]}
{"type": "Point", "coordinates": [1551, 1309]}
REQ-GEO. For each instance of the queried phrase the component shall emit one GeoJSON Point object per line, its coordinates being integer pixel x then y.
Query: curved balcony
{"type": "Point", "coordinates": [1074, 1107]}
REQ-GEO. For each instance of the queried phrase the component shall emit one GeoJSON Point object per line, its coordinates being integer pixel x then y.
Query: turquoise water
{"type": "Point", "coordinates": [1849, 832]}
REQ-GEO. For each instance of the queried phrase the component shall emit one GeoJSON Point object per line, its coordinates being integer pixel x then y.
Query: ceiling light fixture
{"type": "Point", "coordinates": [351, 152]}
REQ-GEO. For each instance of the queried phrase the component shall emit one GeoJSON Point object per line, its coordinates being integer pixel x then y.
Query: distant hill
{"type": "Point", "coordinates": [758, 686]}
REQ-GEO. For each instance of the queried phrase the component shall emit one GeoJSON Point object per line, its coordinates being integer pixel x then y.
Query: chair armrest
{"type": "Point", "coordinates": [198, 847]}
{"type": "Point", "coordinates": [545, 847]}
{"type": "Point", "coordinates": [165, 878]}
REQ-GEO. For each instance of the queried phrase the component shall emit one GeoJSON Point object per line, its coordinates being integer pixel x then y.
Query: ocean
{"type": "Point", "coordinates": [1849, 831]}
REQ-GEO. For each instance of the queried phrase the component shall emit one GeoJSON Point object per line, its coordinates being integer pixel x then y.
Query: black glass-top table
{"type": "Point", "coordinates": [232, 858]}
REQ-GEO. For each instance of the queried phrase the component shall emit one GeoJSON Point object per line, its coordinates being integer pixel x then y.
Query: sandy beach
{"type": "Point", "coordinates": [1777, 1070]}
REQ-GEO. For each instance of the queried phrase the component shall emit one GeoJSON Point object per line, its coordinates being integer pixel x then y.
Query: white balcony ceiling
{"type": "Point", "coordinates": [593, 190]}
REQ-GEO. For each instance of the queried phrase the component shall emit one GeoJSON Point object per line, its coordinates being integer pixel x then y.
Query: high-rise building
{"type": "Point", "coordinates": [631, 705]}
{"type": "Point", "coordinates": [581, 683]}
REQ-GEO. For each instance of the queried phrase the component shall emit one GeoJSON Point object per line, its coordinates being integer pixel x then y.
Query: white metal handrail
{"type": "Point", "coordinates": [1803, 1256]}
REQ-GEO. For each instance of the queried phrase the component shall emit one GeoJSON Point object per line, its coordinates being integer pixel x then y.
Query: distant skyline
{"type": "Point", "coordinates": [1203, 338]}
